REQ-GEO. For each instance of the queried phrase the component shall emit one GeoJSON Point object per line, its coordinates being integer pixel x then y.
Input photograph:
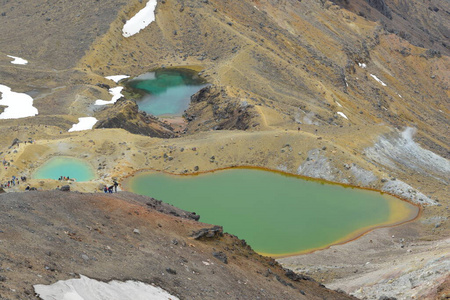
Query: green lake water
{"type": "Point", "coordinates": [276, 214]}
{"type": "Point", "coordinates": [65, 166]}
{"type": "Point", "coordinates": [166, 92]}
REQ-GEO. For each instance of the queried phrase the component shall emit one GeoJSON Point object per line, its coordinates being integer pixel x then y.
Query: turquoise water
{"type": "Point", "coordinates": [276, 214]}
{"type": "Point", "coordinates": [166, 92]}
{"type": "Point", "coordinates": [65, 166]}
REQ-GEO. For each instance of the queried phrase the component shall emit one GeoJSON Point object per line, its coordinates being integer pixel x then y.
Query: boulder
{"type": "Point", "coordinates": [65, 188]}
{"type": "Point", "coordinates": [208, 233]}
{"type": "Point", "coordinates": [221, 256]}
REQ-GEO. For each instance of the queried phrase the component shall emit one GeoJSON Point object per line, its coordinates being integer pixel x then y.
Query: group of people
{"type": "Point", "coordinates": [14, 181]}
{"type": "Point", "coordinates": [112, 188]}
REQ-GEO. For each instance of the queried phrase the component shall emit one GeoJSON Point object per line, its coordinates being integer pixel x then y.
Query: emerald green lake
{"type": "Point", "coordinates": [166, 92]}
{"type": "Point", "coordinates": [65, 166]}
{"type": "Point", "coordinates": [276, 214]}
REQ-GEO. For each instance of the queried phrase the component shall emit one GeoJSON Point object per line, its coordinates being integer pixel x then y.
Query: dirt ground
{"type": "Point", "coordinates": [55, 235]}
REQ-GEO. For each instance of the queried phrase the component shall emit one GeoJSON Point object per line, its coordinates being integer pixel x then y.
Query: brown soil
{"type": "Point", "coordinates": [55, 235]}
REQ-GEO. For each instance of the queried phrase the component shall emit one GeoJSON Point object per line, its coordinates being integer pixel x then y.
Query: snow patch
{"type": "Point", "coordinates": [85, 288]}
{"type": "Point", "coordinates": [84, 124]}
{"type": "Point", "coordinates": [362, 65]}
{"type": "Point", "coordinates": [377, 79]}
{"type": "Point", "coordinates": [19, 105]}
{"type": "Point", "coordinates": [18, 60]}
{"type": "Point", "coordinates": [338, 104]}
{"type": "Point", "coordinates": [116, 92]}
{"type": "Point", "coordinates": [141, 20]}
{"type": "Point", "coordinates": [342, 115]}
{"type": "Point", "coordinates": [117, 78]}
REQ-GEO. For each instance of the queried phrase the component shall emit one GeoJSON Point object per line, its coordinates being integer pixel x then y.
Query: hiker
{"type": "Point", "coordinates": [105, 189]}
{"type": "Point", "coordinates": [115, 186]}
{"type": "Point", "coordinates": [110, 189]}
{"type": "Point", "coordinates": [27, 188]}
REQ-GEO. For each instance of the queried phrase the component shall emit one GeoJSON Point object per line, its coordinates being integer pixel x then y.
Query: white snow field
{"type": "Point", "coordinates": [19, 105]}
{"type": "Point", "coordinates": [141, 20]}
{"type": "Point", "coordinates": [117, 78]}
{"type": "Point", "coordinates": [85, 123]}
{"type": "Point", "coordinates": [342, 115]}
{"type": "Point", "coordinates": [18, 60]}
{"type": "Point", "coordinates": [90, 289]}
{"type": "Point", "coordinates": [116, 92]}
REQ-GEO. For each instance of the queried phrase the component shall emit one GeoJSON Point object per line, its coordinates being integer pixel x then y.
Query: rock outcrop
{"type": "Point", "coordinates": [208, 233]}
{"type": "Point", "coordinates": [125, 114]}
{"type": "Point", "coordinates": [217, 108]}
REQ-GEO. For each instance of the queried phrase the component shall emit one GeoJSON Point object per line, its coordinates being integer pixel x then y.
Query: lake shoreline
{"type": "Point", "coordinates": [273, 171]}
{"type": "Point", "coordinates": [50, 163]}
{"type": "Point", "coordinates": [231, 148]}
{"type": "Point", "coordinates": [352, 236]}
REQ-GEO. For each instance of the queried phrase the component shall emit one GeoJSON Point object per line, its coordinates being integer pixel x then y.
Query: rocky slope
{"type": "Point", "coordinates": [54, 235]}
{"type": "Point", "coordinates": [220, 108]}
{"type": "Point", "coordinates": [422, 23]}
{"type": "Point", "coordinates": [125, 114]}
{"type": "Point", "coordinates": [348, 91]}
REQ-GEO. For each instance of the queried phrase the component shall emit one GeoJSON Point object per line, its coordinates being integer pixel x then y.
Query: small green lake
{"type": "Point", "coordinates": [65, 166]}
{"type": "Point", "coordinates": [166, 92]}
{"type": "Point", "coordinates": [276, 214]}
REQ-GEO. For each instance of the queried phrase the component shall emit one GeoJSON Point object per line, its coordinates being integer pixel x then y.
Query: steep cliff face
{"type": "Point", "coordinates": [125, 114]}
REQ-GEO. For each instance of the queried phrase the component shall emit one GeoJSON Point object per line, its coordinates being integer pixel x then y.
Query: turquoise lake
{"type": "Point", "coordinates": [166, 92]}
{"type": "Point", "coordinates": [277, 215]}
{"type": "Point", "coordinates": [65, 166]}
